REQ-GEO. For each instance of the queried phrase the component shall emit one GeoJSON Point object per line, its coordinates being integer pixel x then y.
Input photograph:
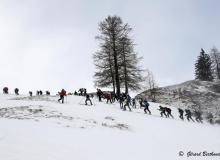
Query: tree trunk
{"type": "Point", "coordinates": [111, 70]}
{"type": "Point", "coordinates": [125, 69]}
{"type": "Point", "coordinates": [118, 92]}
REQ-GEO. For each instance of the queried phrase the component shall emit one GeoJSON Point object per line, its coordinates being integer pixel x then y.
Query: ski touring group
{"type": "Point", "coordinates": [125, 102]}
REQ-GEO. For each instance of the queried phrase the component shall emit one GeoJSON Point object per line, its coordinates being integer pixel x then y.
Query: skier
{"type": "Point", "coordinates": [88, 99]}
{"type": "Point", "coordinates": [162, 111]}
{"type": "Point", "coordinates": [141, 102]}
{"type": "Point", "coordinates": [121, 100]}
{"type": "Point", "coordinates": [146, 107]}
{"type": "Point", "coordinates": [30, 93]}
{"type": "Point", "coordinates": [5, 90]}
{"type": "Point", "coordinates": [210, 118]}
{"type": "Point", "coordinates": [198, 116]}
{"type": "Point", "coordinates": [84, 92]}
{"type": "Point", "coordinates": [133, 103]}
{"type": "Point", "coordinates": [62, 94]}
{"type": "Point", "coordinates": [109, 98]}
{"type": "Point", "coordinates": [188, 115]}
{"type": "Point", "coordinates": [113, 97]}
{"type": "Point", "coordinates": [16, 91]}
{"type": "Point", "coordinates": [47, 93]}
{"type": "Point", "coordinates": [168, 111]}
{"type": "Point", "coordinates": [126, 103]}
{"type": "Point", "coordinates": [40, 92]}
{"type": "Point", "coordinates": [80, 92]}
{"type": "Point", "coordinates": [129, 99]}
{"type": "Point", "coordinates": [99, 94]}
{"type": "Point", "coordinates": [181, 113]}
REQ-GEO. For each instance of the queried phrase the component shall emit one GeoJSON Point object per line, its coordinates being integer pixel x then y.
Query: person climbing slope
{"type": "Point", "coordinates": [88, 99]}
{"type": "Point", "coordinates": [62, 94]}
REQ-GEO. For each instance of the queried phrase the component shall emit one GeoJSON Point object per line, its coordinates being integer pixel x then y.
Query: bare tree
{"type": "Point", "coordinates": [112, 30]}
{"type": "Point", "coordinates": [116, 62]}
{"type": "Point", "coordinates": [104, 76]}
{"type": "Point", "coordinates": [215, 57]}
{"type": "Point", "coordinates": [130, 71]}
{"type": "Point", "coordinates": [150, 84]}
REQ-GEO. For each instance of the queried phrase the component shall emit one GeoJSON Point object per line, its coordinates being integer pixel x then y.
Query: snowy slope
{"type": "Point", "coordinates": [194, 94]}
{"type": "Point", "coordinates": [39, 128]}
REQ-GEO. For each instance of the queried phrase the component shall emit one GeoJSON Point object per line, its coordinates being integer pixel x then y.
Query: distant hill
{"type": "Point", "coordinates": [194, 94]}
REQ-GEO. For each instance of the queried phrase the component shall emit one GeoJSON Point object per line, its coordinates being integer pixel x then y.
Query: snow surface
{"type": "Point", "coordinates": [193, 94]}
{"type": "Point", "coordinates": [39, 128]}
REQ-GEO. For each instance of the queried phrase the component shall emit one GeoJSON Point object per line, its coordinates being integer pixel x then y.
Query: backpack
{"type": "Point", "coordinates": [146, 104]}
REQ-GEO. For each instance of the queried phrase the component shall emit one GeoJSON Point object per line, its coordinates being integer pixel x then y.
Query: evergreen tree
{"type": "Point", "coordinates": [203, 68]}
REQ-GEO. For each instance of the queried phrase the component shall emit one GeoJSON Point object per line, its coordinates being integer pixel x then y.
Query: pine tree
{"type": "Point", "coordinates": [203, 68]}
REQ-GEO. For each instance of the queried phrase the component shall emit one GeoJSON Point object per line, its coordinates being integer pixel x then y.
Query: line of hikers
{"type": "Point", "coordinates": [167, 112]}
{"type": "Point", "coordinates": [16, 91]}
{"type": "Point", "coordinates": [125, 102]}
{"type": "Point", "coordinates": [188, 114]}
{"type": "Point", "coordinates": [5, 90]}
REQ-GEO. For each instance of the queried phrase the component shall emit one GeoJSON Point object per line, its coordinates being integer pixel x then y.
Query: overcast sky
{"type": "Point", "coordinates": [48, 44]}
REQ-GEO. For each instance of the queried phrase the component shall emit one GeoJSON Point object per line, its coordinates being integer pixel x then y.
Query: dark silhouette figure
{"type": "Point", "coordinates": [5, 90]}
{"type": "Point", "coordinates": [129, 99]}
{"type": "Point", "coordinates": [109, 98]}
{"type": "Point", "coordinates": [30, 93]}
{"type": "Point", "coordinates": [99, 94]}
{"type": "Point", "coordinates": [81, 92]}
{"type": "Point", "coordinates": [141, 103]}
{"type": "Point", "coordinates": [113, 97]}
{"type": "Point", "coordinates": [126, 104]}
{"type": "Point", "coordinates": [16, 91]}
{"type": "Point", "coordinates": [168, 112]}
{"type": "Point", "coordinates": [146, 107]}
{"type": "Point", "coordinates": [121, 100]}
{"type": "Point", "coordinates": [84, 92]}
{"type": "Point", "coordinates": [181, 113]}
{"type": "Point", "coordinates": [88, 99]}
{"type": "Point", "coordinates": [133, 103]}
{"type": "Point", "coordinates": [210, 118]}
{"type": "Point", "coordinates": [47, 93]}
{"type": "Point", "coordinates": [62, 94]}
{"type": "Point", "coordinates": [40, 93]}
{"type": "Point", "coordinates": [188, 115]}
{"type": "Point", "coordinates": [162, 111]}
{"type": "Point", "coordinates": [198, 116]}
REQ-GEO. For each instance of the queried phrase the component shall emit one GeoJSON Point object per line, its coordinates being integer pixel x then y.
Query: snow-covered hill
{"type": "Point", "coordinates": [39, 128]}
{"type": "Point", "coordinates": [194, 94]}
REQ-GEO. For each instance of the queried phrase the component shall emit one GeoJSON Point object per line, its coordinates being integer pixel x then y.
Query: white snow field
{"type": "Point", "coordinates": [39, 128]}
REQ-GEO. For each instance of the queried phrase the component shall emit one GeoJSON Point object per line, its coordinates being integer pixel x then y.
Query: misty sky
{"type": "Point", "coordinates": [48, 44]}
